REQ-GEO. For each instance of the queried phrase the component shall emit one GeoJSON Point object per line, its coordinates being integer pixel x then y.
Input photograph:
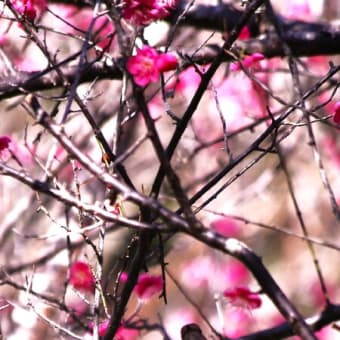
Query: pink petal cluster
{"type": "Point", "coordinates": [81, 277]}
{"type": "Point", "coordinates": [29, 8]}
{"type": "Point", "coordinates": [226, 226]}
{"type": "Point", "coordinates": [242, 297]}
{"type": "Point", "coordinates": [143, 12]}
{"type": "Point", "coordinates": [147, 64]}
{"type": "Point", "coordinates": [247, 62]}
{"type": "Point", "coordinates": [5, 142]}
{"type": "Point", "coordinates": [148, 285]}
{"type": "Point", "coordinates": [336, 115]}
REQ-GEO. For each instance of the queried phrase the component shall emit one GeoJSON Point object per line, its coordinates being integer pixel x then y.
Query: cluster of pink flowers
{"type": "Point", "coordinates": [29, 8]}
{"type": "Point", "coordinates": [243, 297]}
{"type": "Point", "coordinates": [247, 62]}
{"type": "Point", "coordinates": [147, 65]}
{"type": "Point", "coordinates": [81, 277]}
{"type": "Point", "coordinates": [143, 12]}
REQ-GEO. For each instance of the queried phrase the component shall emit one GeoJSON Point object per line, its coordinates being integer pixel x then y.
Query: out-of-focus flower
{"type": "Point", "coordinates": [148, 285]}
{"type": "Point", "coordinates": [77, 305]}
{"type": "Point", "coordinates": [236, 273]}
{"type": "Point", "coordinates": [123, 277]}
{"type": "Point", "coordinates": [29, 8]}
{"type": "Point", "coordinates": [147, 64]}
{"type": "Point", "coordinates": [10, 148]}
{"type": "Point", "coordinates": [238, 322]}
{"type": "Point", "coordinates": [3, 39]}
{"type": "Point", "coordinates": [166, 62]}
{"type": "Point", "coordinates": [5, 142]}
{"type": "Point", "coordinates": [336, 115]}
{"type": "Point", "coordinates": [226, 226]}
{"type": "Point", "coordinates": [243, 297]}
{"type": "Point", "coordinates": [186, 83]}
{"type": "Point", "coordinates": [143, 12]}
{"type": "Point", "coordinates": [247, 62]}
{"type": "Point", "coordinates": [244, 34]}
{"type": "Point", "coordinates": [124, 333]}
{"type": "Point", "coordinates": [102, 327]}
{"type": "Point", "coordinates": [81, 276]}
{"type": "Point", "coordinates": [298, 9]}
{"type": "Point", "coordinates": [197, 273]}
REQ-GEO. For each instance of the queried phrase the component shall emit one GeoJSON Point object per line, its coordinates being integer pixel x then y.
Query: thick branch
{"type": "Point", "coordinates": [329, 315]}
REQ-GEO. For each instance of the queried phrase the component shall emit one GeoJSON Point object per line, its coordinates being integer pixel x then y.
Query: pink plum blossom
{"type": "Point", "coordinates": [10, 148]}
{"type": "Point", "coordinates": [166, 62]}
{"type": "Point", "coordinates": [143, 66]}
{"type": "Point", "coordinates": [102, 327]}
{"type": "Point", "coordinates": [125, 333]}
{"type": "Point", "coordinates": [186, 83]}
{"type": "Point", "coordinates": [148, 285]}
{"type": "Point", "coordinates": [336, 115]}
{"type": "Point", "coordinates": [244, 34]}
{"type": "Point", "coordinates": [240, 105]}
{"type": "Point", "coordinates": [241, 296]}
{"type": "Point", "coordinates": [237, 322]}
{"type": "Point", "coordinates": [81, 276]}
{"type": "Point", "coordinates": [5, 142]}
{"type": "Point", "coordinates": [236, 273]}
{"type": "Point", "coordinates": [226, 226]}
{"type": "Point", "coordinates": [143, 12]}
{"type": "Point", "coordinates": [29, 8]}
{"type": "Point", "coordinates": [147, 64]}
{"type": "Point", "coordinates": [208, 272]}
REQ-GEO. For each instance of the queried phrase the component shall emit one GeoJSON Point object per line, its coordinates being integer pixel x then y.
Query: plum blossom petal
{"type": "Point", "coordinates": [147, 64]}
{"type": "Point", "coordinates": [142, 66]}
{"type": "Point", "coordinates": [166, 62]}
{"type": "Point", "coordinates": [81, 276]}
{"type": "Point", "coordinates": [242, 296]}
{"type": "Point", "coordinates": [125, 333]}
{"type": "Point", "coordinates": [226, 226]}
{"type": "Point", "coordinates": [143, 12]}
{"type": "Point", "coordinates": [148, 285]}
{"type": "Point", "coordinates": [5, 142]}
{"type": "Point", "coordinates": [30, 9]}
{"type": "Point", "coordinates": [336, 115]}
